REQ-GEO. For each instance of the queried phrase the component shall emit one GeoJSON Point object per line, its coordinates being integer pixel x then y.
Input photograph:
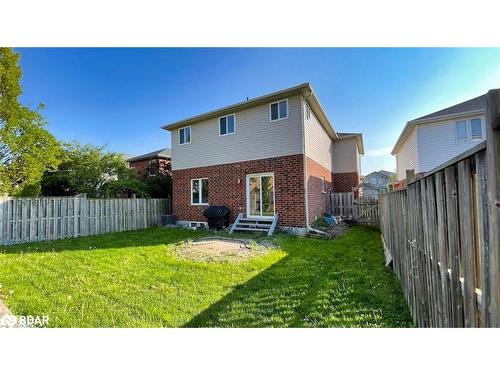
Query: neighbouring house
{"type": "Point", "coordinates": [376, 183]}
{"type": "Point", "coordinates": [431, 140]}
{"type": "Point", "coordinates": [151, 163]}
{"type": "Point", "coordinates": [275, 154]}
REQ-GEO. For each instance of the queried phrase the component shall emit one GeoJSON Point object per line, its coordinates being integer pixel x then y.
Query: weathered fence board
{"type": "Point", "coordinates": [437, 233]}
{"type": "Point", "coordinates": [341, 204]}
{"type": "Point", "coordinates": [446, 250]}
{"type": "Point", "coordinates": [50, 218]}
{"type": "Point", "coordinates": [363, 209]}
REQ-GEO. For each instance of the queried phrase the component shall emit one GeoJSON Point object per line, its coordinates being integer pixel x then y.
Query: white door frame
{"type": "Point", "coordinates": [247, 186]}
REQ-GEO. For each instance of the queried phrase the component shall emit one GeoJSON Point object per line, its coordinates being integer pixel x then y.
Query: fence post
{"type": "Point", "coordinates": [84, 223]}
{"type": "Point", "coordinates": [493, 171]}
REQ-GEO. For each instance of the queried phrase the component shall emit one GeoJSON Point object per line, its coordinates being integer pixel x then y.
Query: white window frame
{"type": "Point", "coordinates": [466, 132]}
{"type": "Point", "coordinates": [247, 179]}
{"type": "Point", "coordinates": [190, 135]}
{"type": "Point", "coordinates": [200, 193]}
{"type": "Point", "coordinates": [287, 110]}
{"type": "Point", "coordinates": [323, 184]}
{"type": "Point", "coordinates": [482, 130]}
{"type": "Point", "coordinates": [226, 116]}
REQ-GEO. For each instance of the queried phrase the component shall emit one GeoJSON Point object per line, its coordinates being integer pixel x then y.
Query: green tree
{"type": "Point", "coordinates": [27, 149]}
{"type": "Point", "coordinates": [125, 189]}
{"type": "Point", "coordinates": [158, 181]}
{"type": "Point", "coordinates": [85, 169]}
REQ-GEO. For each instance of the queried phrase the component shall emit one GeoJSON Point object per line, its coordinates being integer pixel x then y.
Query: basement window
{"type": "Point", "coordinates": [199, 191]}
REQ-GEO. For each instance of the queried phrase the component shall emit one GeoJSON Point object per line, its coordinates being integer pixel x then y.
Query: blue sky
{"type": "Point", "coordinates": [121, 97]}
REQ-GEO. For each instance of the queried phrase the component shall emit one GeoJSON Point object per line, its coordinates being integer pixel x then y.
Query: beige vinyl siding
{"type": "Point", "coordinates": [406, 157]}
{"type": "Point", "coordinates": [437, 142]}
{"type": "Point", "coordinates": [318, 144]}
{"type": "Point", "coordinates": [345, 156]}
{"type": "Point", "coordinates": [256, 137]}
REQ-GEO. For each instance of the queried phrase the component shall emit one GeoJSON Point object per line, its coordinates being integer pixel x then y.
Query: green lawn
{"type": "Point", "coordinates": [135, 279]}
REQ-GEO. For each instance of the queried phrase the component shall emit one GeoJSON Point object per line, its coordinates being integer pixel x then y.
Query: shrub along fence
{"type": "Point", "coordinates": [442, 232]}
{"type": "Point", "coordinates": [51, 218]}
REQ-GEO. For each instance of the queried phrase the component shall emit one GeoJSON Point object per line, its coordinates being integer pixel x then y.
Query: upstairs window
{"type": "Point", "coordinates": [199, 191]}
{"type": "Point", "coordinates": [323, 185]}
{"type": "Point", "coordinates": [476, 130]}
{"type": "Point", "coordinates": [185, 135]}
{"type": "Point", "coordinates": [279, 110]}
{"type": "Point", "coordinates": [227, 125]}
{"type": "Point", "coordinates": [461, 131]}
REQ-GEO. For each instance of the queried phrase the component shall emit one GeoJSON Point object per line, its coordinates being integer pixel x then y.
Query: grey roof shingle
{"type": "Point", "coordinates": [475, 104]}
{"type": "Point", "coordinates": [164, 152]}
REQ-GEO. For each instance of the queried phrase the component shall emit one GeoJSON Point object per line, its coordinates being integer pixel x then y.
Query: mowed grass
{"type": "Point", "coordinates": [136, 279]}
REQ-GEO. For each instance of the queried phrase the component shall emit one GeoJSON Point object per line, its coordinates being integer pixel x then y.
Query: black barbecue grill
{"type": "Point", "coordinates": [217, 217]}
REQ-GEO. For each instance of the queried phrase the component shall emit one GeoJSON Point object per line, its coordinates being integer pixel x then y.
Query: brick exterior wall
{"type": "Point", "coordinates": [141, 166]}
{"type": "Point", "coordinates": [227, 186]}
{"type": "Point", "coordinates": [316, 199]}
{"type": "Point", "coordinates": [344, 182]}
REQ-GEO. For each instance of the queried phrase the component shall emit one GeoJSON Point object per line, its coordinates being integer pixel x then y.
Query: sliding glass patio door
{"type": "Point", "coordinates": [260, 195]}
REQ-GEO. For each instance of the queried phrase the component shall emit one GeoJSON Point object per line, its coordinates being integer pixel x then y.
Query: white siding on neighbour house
{"type": "Point", "coordinates": [318, 144]}
{"type": "Point", "coordinates": [437, 142]}
{"type": "Point", "coordinates": [346, 156]}
{"type": "Point", "coordinates": [406, 158]}
{"type": "Point", "coordinates": [256, 137]}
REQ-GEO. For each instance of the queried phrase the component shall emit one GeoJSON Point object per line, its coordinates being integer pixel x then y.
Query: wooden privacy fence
{"type": "Point", "coordinates": [51, 218]}
{"type": "Point", "coordinates": [363, 209]}
{"type": "Point", "coordinates": [341, 204]}
{"type": "Point", "coordinates": [442, 232]}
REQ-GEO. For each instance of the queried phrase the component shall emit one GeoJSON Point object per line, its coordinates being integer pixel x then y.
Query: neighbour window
{"type": "Point", "coordinates": [153, 167]}
{"type": "Point", "coordinates": [476, 129]}
{"type": "Point", "coordinates": [308, 112]}
{"type": "Point", "coordinates": [279, 110]}
{"type": "Point", "coordinates": [185, 135]}
{"type": "Point", "coordinates": [323, 185]}
{"type": "Point", "coordinates": [461, 131]}
{"type": "Point", "coordinates": [227, 125]}
{"type": "Point", "coordinates": [199, 191]}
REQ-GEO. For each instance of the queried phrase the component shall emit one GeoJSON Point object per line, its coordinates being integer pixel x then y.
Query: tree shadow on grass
{"type": "Point", "coordinates": [341, 283]}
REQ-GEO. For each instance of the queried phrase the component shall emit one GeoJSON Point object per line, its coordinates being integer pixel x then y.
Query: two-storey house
{"type": "Point", "coordinates": [431, 140]}
{"type": "Point", "coordinates": [274, 154]}
{"type": "Point", "coordinates": [152, 163]}
{"type": "Point", "coordinates": [376, 183]}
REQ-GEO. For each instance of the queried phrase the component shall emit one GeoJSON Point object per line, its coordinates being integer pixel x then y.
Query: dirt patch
{"type": "Point", "coordinates": [219, 249]}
